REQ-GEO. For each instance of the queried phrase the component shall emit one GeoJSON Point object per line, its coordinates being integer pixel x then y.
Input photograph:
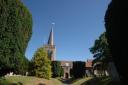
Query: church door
{"type": "Point", "coordinates": [66, 75]}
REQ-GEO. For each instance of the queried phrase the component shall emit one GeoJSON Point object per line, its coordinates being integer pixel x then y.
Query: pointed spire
{"type": "Point", "coordinates": [51, 40]}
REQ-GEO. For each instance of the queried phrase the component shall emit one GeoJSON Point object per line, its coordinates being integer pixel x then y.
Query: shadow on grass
{"type": "Point", "coordinates": [41, 84]}
{"type": "Point", "coordinates": [19, 83]}
{"type": "Point", "coordinates": [93, 81]}
{"type": "Point", "coordinates": [66, 81]}
{"type": "Point", "coordinates": [100, 81]}
{"type": "Point", "coordinates": [3, 81]}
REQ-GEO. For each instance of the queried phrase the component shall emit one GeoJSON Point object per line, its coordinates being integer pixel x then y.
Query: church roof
{"type": "Point", "coordinates": [89, 63]}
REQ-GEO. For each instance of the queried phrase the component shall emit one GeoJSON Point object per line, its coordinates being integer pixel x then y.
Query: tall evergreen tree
{"type": "Point", "coordinates": [57, 70]}
{"type": "Point", "coordinates": [42, 64]}
{"type": "Point", "coordinates": [78, 70]}
{"type": "Point", "coordinates": [15, 32]}
{"type": "Point", "coordinates": [116, 25]}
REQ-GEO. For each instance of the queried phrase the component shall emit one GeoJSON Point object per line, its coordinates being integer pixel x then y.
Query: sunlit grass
{"type": "Point", "coordinates": [28, 80]}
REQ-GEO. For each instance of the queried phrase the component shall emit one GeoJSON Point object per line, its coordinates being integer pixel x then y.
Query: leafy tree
{"type": "Point", "coordinates": [101, 51]}
{"type": "Point", "coordinates": [57, 70]}
{"type": "Point", "coordinates": [42, 65]}
{"type": "Point", "coordinates": [15, 32]}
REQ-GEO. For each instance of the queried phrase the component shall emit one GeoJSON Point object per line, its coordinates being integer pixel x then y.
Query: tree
{"type": "Point", "coordinates": [61, 72]}
{"type": "Point", "coordinates": [42, 64]}
{"type": "Point", "coordinates": [15, 33]}
{"type": "Point", "coordinates": [31, 68]}
{"type": "Point", "coordinates": [57, 70]}
{"type": "Point", "coordinates": [78, 69]}
{"type": "Point", "coordinates": [116, 25]}
{"type": "Point", "coordinates": [101, 51]}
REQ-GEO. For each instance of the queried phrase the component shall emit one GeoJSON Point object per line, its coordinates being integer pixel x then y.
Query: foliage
{"type": "Point", "coordinates": [116, 25]}
{"type": "Point", "coordinates": [101, 53]}
{"type": "Point", "coordinates": [15, 32]}
{"type": "Point", "coordinates": [42, 64]}
{"type": "Point", "coordinates": [101, 49]}
{"type": "Point", "coordinates": [57, 70]}
{"type": "Point", "coordinates": [78, 68]}
{"type": "Point", "coordinates": [31, 68]}
{"type": "Point", "coordinates": [71, 72]}
{"type": "Point", "coordinates": [61, 72]}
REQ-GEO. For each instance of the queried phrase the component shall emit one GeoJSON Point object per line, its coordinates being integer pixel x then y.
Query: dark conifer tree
{"type": "Point", "coordinates": [15, 32]}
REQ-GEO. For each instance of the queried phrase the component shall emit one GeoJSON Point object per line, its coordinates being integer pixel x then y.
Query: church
{"type": "Point", "coordinates": [51, 49]}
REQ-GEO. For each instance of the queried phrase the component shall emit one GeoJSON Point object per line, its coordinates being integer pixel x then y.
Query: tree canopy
{"type": "Point", "coordinates": [102, 54]}
{"type": "Point", "coordinates": [101, 50]}
{"type": "Point", "coordinates": [15, 33]}
{"type": "Point", "coordinates": [116, 25]}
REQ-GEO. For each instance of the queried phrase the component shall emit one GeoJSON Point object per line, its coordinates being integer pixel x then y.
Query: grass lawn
{"type": "Point", "coordinates": [93, 81]}
{"type": "Point", "coordinates": [27, 80]}
{"type": "Point", "coordinates": [100, 81]}
{"type": "Point", "coordinates": [81, 81]}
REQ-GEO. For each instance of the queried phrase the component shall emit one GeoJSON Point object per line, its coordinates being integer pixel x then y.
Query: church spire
{"type": "Point", "coordinates": [51, 40]}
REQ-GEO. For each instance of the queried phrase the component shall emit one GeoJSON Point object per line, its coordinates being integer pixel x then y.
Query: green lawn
{"type": "Point", "coordinates": [27, 80]}
{"type": "Point", "coordinates": [100, 81]}
{"type": "Point", "coordinates": [81, 81]}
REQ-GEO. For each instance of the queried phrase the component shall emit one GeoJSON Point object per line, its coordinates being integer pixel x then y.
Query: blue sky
{"type": "Point", "coordinates": [77, 24]}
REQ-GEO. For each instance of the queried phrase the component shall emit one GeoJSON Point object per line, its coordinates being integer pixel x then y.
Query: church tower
{"type": "Point", "coordinates": [50, 47]}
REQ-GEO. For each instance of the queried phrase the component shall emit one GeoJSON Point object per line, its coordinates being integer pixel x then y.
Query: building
{"type": "Point", "coordinates": [89, 67]}
{"type": "Point", "coordinates": [50, 47]}
{"type": "Point", "coordinates": [67, 66]}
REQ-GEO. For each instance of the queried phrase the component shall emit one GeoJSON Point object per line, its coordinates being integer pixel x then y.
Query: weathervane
{"type": "Point", "coordinates": [53, 23]}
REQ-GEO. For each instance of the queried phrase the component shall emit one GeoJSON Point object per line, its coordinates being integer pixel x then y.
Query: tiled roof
{"type": "Point", "coordinates": [89, 63]}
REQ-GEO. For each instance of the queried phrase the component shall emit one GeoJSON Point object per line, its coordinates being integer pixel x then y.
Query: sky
{"type": "Point", "coordinates": [78, 23]}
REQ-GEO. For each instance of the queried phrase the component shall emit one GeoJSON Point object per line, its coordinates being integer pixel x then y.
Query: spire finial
{"type": "Point", "coordinates": [53, 24]}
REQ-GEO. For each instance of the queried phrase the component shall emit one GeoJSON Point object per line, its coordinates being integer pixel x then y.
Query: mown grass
{"type": "Point", "coordinates": [80, 81]}
{"type": "Point", "coordinates": [28, 80]}
{"type": "Point", "coordinates": [101, 81]}
{"type": "Point", "coordinates": [3, 81]}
